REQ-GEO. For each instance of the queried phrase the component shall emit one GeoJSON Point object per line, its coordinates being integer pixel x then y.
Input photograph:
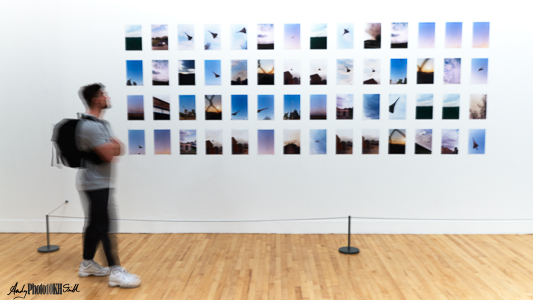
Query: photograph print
{"type": "Point", "coordinates": [423, 141]}
{"type": "Point", "coordinates": [319, 36]}
{"type": "Point", "coordinates": [424, 106]}
{"type": "Point", "coordinates": [213, 72]}
{"type": "Point", "coordinates": [318, 107]}
{"type": "Point", "coordinates": [265, 141]}
{"type": "Point", "coordinates": [454, 35]}
{"type": "Point", "coordinates": [186, 36]}
{"type": "Point", "coordinates": [159, 37]}
{"type": "Point", "coordinates": [239, 142]}
{"type": "Point", "coordinates": [134, 72]}
{"type": "Point", "coordinates": [161, 141]}
{"type": "Point", "coordinates": [161, 104]}
{"type": "Point", "coordinates": [213, 142]}
{"type": "Point", "coordinates": [291, 107]}
{"type": "Point", "coordinates": [239, 72]}
{"type": "Point", "coordinates": [159, 72]}
{"type": "Point", "coordinates": [187, 107]}
{"type": "Point", "coordinates": [481, 35]}
{"type": "Point", "coordinates": [239, 37]}
{"type": "Point", "coordinates": [476, 141]}
{"type": "Point", "coordinates": [478, 106]}
{"type": "Point", "coordinates": [135, 107]}
{"type": "Point", "coordinates": [213, 107]}
{"type": "Point", "coordinates": [212, 37]}
{"type": "Point", "coordinates": [399, 35]}
{"type": "Point", "coordinates": [344, 71]}
{"type": "Point", "coordinates": [265, 107]}
{"type": "Point", "coordinates": [480, 69]}
{"type": "Point", "coordinates": [317, 141]}
{"type": "Point", "coordinates": [291, 71]}
{"type": "Point", "coordinates": [344, 107]}
{"type": "Point", "coordinates": [186, 72]}
{"type": "Point", "coordinates": [291, 37]}
{"type": "Point", "coordinates": [426, 35]}
{"type": "Point", "coordinates": [397, 106]}
{"type": "Point", "coordinates": [398, 71]}
{"type": "Point", "coordinates": [371, 106]}
{"type": "Point", "coordinates": [345, 36]}
{"type": "Point", "coordinates": [188, 142]}
{"type": "Point", "coordinates": [136, 145]}
{"type": "Point", "coordinates": [450, 106]}
{"type": "Point", "coordinates": [372, 71]}
{"type": "Point", "coordinates": [397, 141]}
{"type": "Point", "coordinates": [265, 72]}
{"type": "Point", "coordinates": [450, 141]}
{"type": "Point", "coordinates": [239, 107]}
{"type": "Point", "coordinates": [425, 71]}
{"type": "Point", "coordinates": [370, 143]}
{"type": "Point", "coordinates": [344, 141]}
{"type": "Point", "coordinates": [291, 141]}
{"type": "Point", "coordinates": [452, 71]}
{"type": "Point", "coordinates": [318, 71]}
{"type": "Point", "coordinates": [134, 38]}
{"type": "Point", "coordinates": [265, 37]}
{"type": "Point", "coordinates": [372, 36]}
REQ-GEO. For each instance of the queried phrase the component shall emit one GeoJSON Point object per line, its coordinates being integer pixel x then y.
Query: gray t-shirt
{"type": "Point", "coordinates": [90, 134]}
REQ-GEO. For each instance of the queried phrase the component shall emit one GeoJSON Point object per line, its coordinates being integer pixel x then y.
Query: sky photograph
{"type": "Point", "coordinates": [239, 107]}
{"type": "Point", "coordinates": [239, 69]}
{"type": "Point", "coordinates": [480, 69]}
{"type": "Point", "coordinates": [291, 37]}
{"type": "Point", "coordinates": [371, 106]}
{"type": "Point", "coordinates": [344, 100]}
{"type": "Point", "coordinates": [187, 135]}
{"type": "Point", "coordinates": [344, 71]}
{"type": "Point", "coordinates": [186, 66]}
{"type": "Point", "coordinates": [400, 107]}
{"type": "Point", "coordinates": [291, 136]}
{"type": "Point", "coordinates": [450, 139]}
{"type": "Point", "coordinates": [372, 36]}
{"type": "Point", "coordinates": [396, 137]}
{"type": "Point", "coordinates": [424, 137]}
{"type": "Point", "coordinates": [319, 66]}
{"type": "Point", "coordinates": [424, 100]}
{"type": "Point", "coordinates": [294, 67]}
{"type": "Point", "coordinates": [136, 142]}
{"type": "Point", "coordinates": [399, 35]}
{"type": "Point", "coordinates": [265, 107]}
{"type": "Point", "coordinates": [239, 36]}
{"type": "Point", "coordinates": [133, 31]}
{"type": "Point", "coordinates": [159, 31]}
{"type": "Point", "coordinates": [426, 35]}
{"type": "Point", "coordinates": [450, 100]}
{"type": "Point", "coordinates": [476, 141]}
{"type": "Point", "coordinates": [398, 70]}
{"type": "Point", "coordinates": [452, 71]}
{"type": "Point", "coordinates": [265, 36]}
{"type": "Point", "coordinates": [481, 35]}
{"type": "Point", "coordinates": [318, 106]}
{"type": "Point", "coordinates": [187, 102]}
{"type": "Point", "coordinates": [213, 103]}
{"type": "Point", "coordinates": [186, 37]}
{"type": "Point", "coordinates": [162, 141]}
{"type": "Point", "coordinates": [345, 36]}
{"type": "Point", "coordinates": [454, 35]}
{"type": "Point", "coordinates": [212, 39]}
{"type": "Point", "coordinates": [478, 106]}
{"type": "Point", "coordinates": [290, 104]}
{"type": "Point", "coordinates": [134, 72]}
{"type": "Point", "coordinates": [160, 72]}
{"type": "Point", "coordinates": [213, 72]}
{"type": "Point", "coordinates": [372, 70]}
{"type": "Point", "coordinates": [215, 136]}
{"type": "Point", "coordinates": [317, 141]}
{"type": "Point", "coordinates": [265, 141]}
{"type": "Point", "coordinates": [135, 107]}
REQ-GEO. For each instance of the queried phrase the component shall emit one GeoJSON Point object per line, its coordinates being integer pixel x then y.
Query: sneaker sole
{"type": "Point", "coordinates": [90, 274]}
{"type": "Point", "coordinates": [124, 286]}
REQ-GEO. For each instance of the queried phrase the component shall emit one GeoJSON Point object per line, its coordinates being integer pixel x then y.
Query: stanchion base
{"type": "Point", "coordinates": [48, 248]}
{"type": "Point", "coordinates": [348, 250]}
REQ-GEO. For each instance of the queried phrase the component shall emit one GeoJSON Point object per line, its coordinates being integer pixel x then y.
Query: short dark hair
{"type": "Point", "coordinates": [90, 91]}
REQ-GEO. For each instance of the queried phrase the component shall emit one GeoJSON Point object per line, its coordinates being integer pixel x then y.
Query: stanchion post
{"type": "Point", "coordinates": [349, 250]}
{"type": "Point", "coordinates": [48, 248]}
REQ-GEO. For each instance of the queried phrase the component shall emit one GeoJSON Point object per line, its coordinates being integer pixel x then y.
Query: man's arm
{"type": "Point", "coordinates": [107, 151]}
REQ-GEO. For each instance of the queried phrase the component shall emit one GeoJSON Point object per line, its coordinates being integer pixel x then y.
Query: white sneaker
{"type": "Point", "coordinates": [122, 278]}
{"type": "Point", "coordinates": [94, 269]}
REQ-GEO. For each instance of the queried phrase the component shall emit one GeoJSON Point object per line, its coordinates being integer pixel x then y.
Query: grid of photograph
{"type": "Point", "coordinates": [310, 76]}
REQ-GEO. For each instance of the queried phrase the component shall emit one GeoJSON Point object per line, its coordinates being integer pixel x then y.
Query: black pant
{"type": "Point", "coordinates": [98, 227]}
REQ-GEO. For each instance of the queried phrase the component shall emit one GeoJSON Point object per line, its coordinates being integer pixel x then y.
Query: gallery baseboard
{"type": "Point", "coordinates": [295, 227]}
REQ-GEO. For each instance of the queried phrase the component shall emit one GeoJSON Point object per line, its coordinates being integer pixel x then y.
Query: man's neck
{"type": "Point", "coordinates": [95, 112]}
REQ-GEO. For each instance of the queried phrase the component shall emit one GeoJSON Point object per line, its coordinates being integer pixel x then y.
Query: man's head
{"type": "Point", "coordinates": [95, 96]}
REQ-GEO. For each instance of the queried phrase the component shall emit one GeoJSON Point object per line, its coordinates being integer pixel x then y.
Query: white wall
{"type": "Point", "coordinates": [49, 50]}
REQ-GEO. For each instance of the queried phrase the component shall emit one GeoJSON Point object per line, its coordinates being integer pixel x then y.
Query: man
{"type": "Point", "coordinates": [94, 183]}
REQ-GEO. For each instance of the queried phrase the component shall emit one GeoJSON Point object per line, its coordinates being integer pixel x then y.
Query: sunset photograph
{"type": "Point", "coordinates": [161, 141]}
{"type": "Point", "coordinates": [397, 141]}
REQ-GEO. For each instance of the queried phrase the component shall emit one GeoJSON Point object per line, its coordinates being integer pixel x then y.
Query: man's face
{"type": "Point", "coordinates": [102, 99]}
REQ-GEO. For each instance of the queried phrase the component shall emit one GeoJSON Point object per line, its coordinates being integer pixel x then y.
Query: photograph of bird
{"type": "Point", "coordinates": [480, 69]}
{"type": "Point", "coordinates": [235, 113]}
{"type": "Point", "coordinates": [391, 107]}
{"type": "Point", "coordinates": [216, 75]}
{"type": "Point", "coordinates": [317, 141]}
{"type": "Point", "coordinates": [213, 34]}
{"type": "Point", "coordinates": [188, 36]}
{"type": "Point", "coordinates": [345, 32]}
{"type": "Point", "coordinates": [243, 30]}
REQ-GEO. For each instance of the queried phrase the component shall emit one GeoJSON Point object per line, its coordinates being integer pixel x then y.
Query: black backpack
{"type": "Point", "coordinates": [64, 139]}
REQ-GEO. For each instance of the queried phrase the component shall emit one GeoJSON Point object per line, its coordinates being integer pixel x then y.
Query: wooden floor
{"type": "Point", "coordinates": [279, 266]}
